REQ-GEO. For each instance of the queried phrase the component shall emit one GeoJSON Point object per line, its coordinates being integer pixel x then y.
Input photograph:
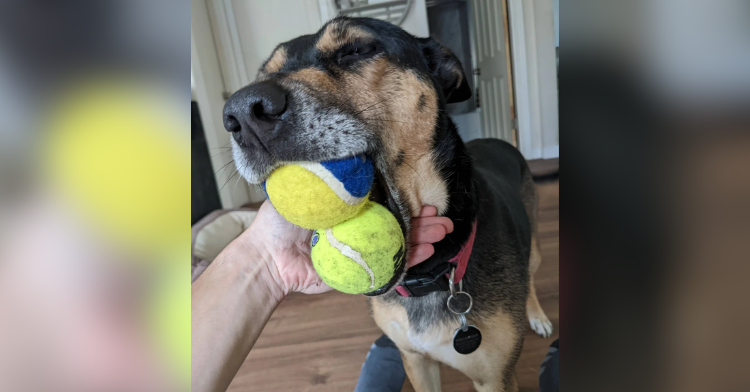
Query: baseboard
{"type": "Point", "coordinates": [551, 152]}
{"type": "Point", "coordinates": [544, 167]}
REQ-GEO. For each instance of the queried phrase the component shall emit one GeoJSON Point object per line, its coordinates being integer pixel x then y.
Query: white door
{"type": "Point", "coordinates": [493, 79]}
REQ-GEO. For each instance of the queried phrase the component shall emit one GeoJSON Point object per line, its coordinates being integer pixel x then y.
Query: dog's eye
{"type": "Point", "coordinates": [357, 51]}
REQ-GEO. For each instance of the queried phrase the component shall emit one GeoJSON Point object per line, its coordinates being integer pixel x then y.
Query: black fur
{"type": "Point", "coordinates": [400, 158]}
{"type": "Point", "coordinates": [422, 102]}
{"type": "Point", "coordinates": [446, 68]}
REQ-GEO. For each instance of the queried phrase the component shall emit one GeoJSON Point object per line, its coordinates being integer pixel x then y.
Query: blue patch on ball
{"type": "Point", "coordinates": [314, 239]}
{"type": "Point", "coordinates": [356, 173]}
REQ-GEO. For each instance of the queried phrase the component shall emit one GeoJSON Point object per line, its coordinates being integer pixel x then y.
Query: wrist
{"type": "Point", "coordinates": [253, 266]}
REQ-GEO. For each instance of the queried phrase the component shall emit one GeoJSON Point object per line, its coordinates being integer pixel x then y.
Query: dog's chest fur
{"type": "Point", "coordinates": [436, 340]}
{"type": "Point", "coordinates": [500, 334]}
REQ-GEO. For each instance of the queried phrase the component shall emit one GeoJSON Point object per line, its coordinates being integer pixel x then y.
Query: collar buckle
{"type": "Point", "coordinates": [423, 284]}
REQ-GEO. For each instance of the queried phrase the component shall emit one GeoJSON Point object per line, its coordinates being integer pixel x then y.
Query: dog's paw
{"type": "Point", "coordinates": [543, 327]}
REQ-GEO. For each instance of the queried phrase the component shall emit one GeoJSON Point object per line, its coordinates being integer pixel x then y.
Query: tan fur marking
{"type": "Point", "coordinates": [412, 131]}
{"type": "Point", "coordinates": [336, 36]}
{"type": "Point", "coordinates": [276, 61]}
{"type": "Point", "coordinates": [392, 319]}
{"type": "Point", "coordinates": [537, 318]}
{"type": "Point", "coordinates": [316, 79]}
{"type": "Point", "coordinates": [460, 77]}
{"type": "Point", "coordinates": [535, 258]}
{"type": "Point", "coordinates": [485, 367]}
{"type": "Point", "coordinates": [388, 97]}
{"type": "Point", "coordinates": [534, 310]}
{"type": "Point", "coordinates": [423, 371]}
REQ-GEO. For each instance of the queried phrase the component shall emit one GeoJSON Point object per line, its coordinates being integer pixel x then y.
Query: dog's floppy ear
{"type": "Point", "coordinates": [447, 69]}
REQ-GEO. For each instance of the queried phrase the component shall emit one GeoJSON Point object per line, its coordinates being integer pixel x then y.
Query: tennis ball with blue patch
{"type": "Point", "coordinates": [361, 254]}
{"type": "Point", "coordinates": [318, 195]}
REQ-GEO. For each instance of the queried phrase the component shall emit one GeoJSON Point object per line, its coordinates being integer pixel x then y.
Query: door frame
{"type": "Point", "coordinates": [536, 101]}
{"type": "Point", "coordinates": [208, 90]}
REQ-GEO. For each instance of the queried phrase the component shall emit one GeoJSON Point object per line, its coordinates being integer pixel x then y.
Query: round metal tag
{"type": "Point", "coordinates": [468, 341]}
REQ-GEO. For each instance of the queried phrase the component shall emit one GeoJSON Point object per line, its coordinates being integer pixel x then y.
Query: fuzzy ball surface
{"type": "Point", "coordinates": [317, 195]}
{"type": "Point", "coordinates": [361, 254]}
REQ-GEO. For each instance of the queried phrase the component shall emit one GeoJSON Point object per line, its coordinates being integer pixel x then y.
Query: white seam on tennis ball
{"type": "Point", "coordinates": [336, 186]}
{"type": "Point", "coordinates": [347, 251]}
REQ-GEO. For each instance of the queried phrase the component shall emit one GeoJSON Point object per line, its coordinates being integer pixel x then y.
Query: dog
{"type": "Point", "coordinates": [365, 86]}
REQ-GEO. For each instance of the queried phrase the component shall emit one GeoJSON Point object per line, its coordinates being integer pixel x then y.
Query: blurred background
{"type": "Point", "coordinates": [94, 196]}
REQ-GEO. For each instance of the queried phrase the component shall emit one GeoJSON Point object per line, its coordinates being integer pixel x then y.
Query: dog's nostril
{"type": "Point", "coordinates": [258, 111]}
{"type": "Point", "coordinates": [268, 110]}
{"type": "Point", "coordinates": [231, 124]}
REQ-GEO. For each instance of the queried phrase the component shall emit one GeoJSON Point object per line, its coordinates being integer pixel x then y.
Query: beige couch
{"type": "Point", "coordinates": [214, 232]}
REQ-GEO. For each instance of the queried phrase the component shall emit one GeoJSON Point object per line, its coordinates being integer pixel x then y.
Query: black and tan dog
{"type": "Point", "coordinates": [366, 86]}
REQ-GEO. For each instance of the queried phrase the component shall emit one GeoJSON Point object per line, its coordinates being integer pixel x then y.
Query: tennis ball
{"type": "Point", "coordinates": [361, 254]}
{"type": "Point", "coordinates": [318, 195]}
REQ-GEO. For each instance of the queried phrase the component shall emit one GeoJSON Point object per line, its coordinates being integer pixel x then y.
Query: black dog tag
{"type": "Point", "coordinates": [466, 342]}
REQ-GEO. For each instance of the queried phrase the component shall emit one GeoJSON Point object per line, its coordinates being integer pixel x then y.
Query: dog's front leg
{"type": "Point", "coordinates": [423, 372]}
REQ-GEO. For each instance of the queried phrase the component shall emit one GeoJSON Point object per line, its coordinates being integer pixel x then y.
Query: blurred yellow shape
{"type": "Point", "coordinates": [118, 150]}
{"type": "Point", "coordinates": [123, 154]}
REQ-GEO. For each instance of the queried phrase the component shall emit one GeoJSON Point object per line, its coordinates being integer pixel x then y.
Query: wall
{"type": "Point", "coordinates": [416, 21]}
{"type": "Point", "coordinates": [556, 6]}
{"type": "Point", "coordinates": [547, 63]}
{"type": "Point", "coordinates": [207, 91]}
{"type": "Point", "coordinates": [263, 24]}
{"type": "Point", "coordinates": [535, 73]}
{"type": "Point", "coordinates": [469, 126]}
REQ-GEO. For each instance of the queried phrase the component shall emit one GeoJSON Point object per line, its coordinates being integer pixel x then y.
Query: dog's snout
{"type": "Point", "coordinates": [254, 110]}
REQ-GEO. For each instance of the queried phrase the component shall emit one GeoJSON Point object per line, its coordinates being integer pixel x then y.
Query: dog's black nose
{"type": "Point", "coordinates": [254, 111]}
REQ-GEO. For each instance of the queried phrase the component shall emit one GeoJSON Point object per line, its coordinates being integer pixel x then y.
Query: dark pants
{"type": "Point", "coordinates": [383, 370]}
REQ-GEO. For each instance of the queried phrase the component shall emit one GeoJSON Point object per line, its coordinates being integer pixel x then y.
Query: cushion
{"type": "Point", "coordinates": [214, 232]}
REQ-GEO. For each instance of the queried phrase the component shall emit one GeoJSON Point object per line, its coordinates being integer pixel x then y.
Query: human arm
{"type": "Point", "coordinates": [236, 295]}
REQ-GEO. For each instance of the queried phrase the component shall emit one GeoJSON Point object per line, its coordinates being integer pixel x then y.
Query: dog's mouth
{"type": "Point", "coordinates": [382, 195]}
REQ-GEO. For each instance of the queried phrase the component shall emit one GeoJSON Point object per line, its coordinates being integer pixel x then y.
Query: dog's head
{"type": "Point", "coordinates": [357, 86]}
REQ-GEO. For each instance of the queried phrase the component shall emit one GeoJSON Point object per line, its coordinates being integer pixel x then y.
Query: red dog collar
{"type": "Point", "coordinates": [460, 261]}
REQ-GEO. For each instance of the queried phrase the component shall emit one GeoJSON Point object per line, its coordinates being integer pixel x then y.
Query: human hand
{"type": "Point", "coordinates": [286, 247]}
{"type": "Point", "coordinates": [426, 229]}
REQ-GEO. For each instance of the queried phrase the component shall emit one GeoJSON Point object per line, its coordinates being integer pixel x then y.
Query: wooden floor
{"type": "Point", "coordinates": [318, 342]}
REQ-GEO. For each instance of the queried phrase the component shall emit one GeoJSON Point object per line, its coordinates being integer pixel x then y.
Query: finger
{"type": "Point", "coordinates": [428, 211]}
{"type": "Point", "coordinates": [419, 254]}
{"type": "Point", "coordinates": [428, 234]}
{"type": "Point", "coordinates": [433, 220]}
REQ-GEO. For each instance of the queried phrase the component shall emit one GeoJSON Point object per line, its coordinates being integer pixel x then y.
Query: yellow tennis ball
{"type": "Point", "coordinates": [317, 195]}
{"type": "Point", "coordinates": [361, 254]}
